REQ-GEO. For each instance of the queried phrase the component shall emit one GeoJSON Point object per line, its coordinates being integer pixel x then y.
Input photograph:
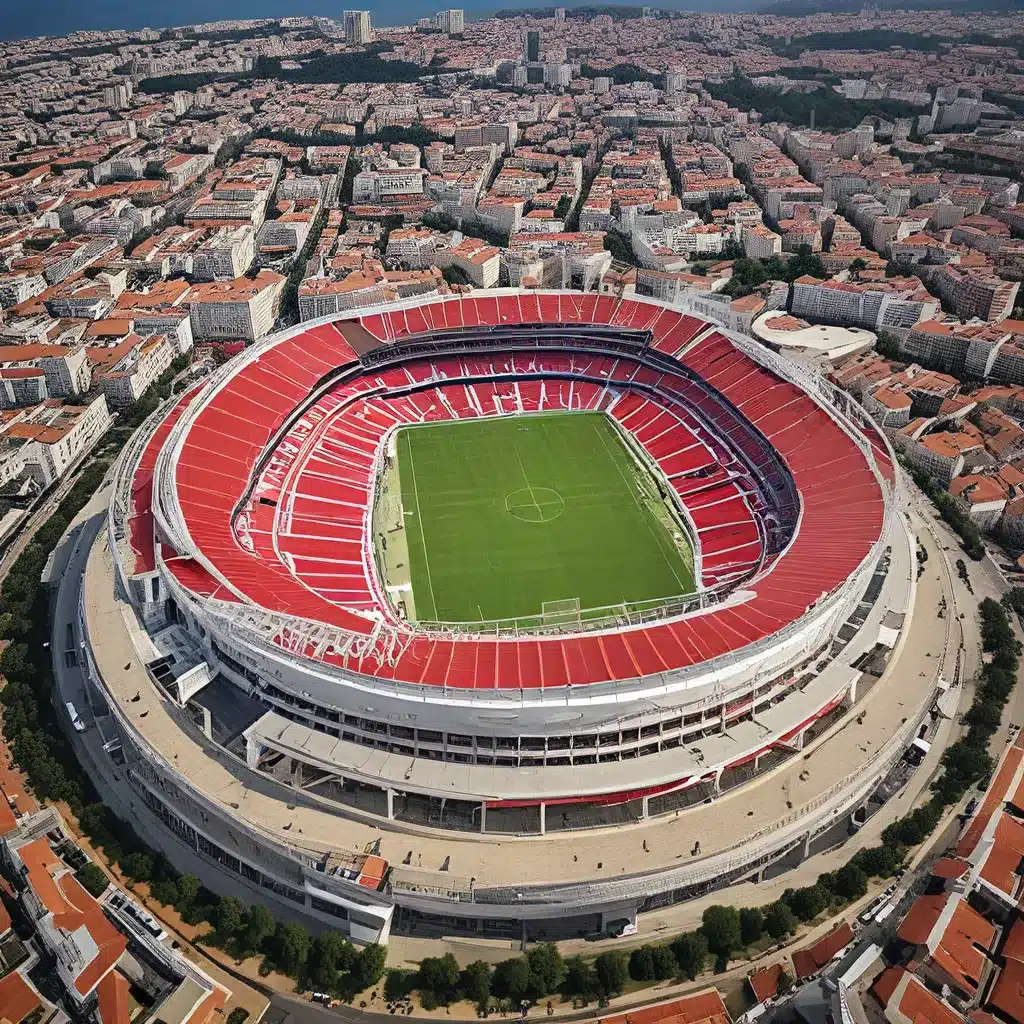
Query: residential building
{"type": "Point", "coordinates": [225, 255]}
{"type": "Point", "coordinates": [242, 309]}
{"type": "Point", "coordinates": [64, 370]}
{"type": "Point", "coordinates": [893, 302]}
{"type": "Point", "coordinates": [760, 242]}
{"type": "Point", "coordinates": [480, 262]}
{"type": "Point", "coordinates": [972, 292]}
{"type": "Point", "coordinates": [53, 437]}
{"type": "Point", "coordinates": [126, 370]}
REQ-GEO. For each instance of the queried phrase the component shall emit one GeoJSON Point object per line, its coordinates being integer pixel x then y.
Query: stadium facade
{"type": "Point", "coordinates": [239, 564]}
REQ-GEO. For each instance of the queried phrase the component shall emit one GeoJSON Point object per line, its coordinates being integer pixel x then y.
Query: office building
{"type": "Point", "coordinates": [531, 47]}
{"type": "Point", "coordinates": [452, 22]}
{"type": "Point", "coordinates": [358, 31]}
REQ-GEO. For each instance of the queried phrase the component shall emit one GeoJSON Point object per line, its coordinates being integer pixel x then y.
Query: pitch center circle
{"type": "Point", "coordinates": [535, 504]}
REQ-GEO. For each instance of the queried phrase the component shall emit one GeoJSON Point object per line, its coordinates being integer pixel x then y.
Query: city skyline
{"type": "Point", "coordinates": [20, 19]}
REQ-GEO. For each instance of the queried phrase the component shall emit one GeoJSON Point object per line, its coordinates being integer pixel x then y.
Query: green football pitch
{"type": "Point", "coordinates": [506, 514]}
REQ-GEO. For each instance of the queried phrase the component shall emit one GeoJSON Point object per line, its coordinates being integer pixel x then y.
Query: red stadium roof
{"type": "Point", "coordinates": [235, 556]}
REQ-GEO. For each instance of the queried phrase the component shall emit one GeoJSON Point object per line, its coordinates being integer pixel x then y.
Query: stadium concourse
{"type": "Point", "coordinates": [288, 723]}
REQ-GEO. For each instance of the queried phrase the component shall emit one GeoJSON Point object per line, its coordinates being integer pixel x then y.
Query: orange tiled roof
{"type": "Point", "coordinates": [17, 1000]}
{"type": "Point", "coordinates": [112, 996]}
{"type": "Point", "coordinates": [959, 952]}
{"type": "Point", "coordinates": [72, 908]}
{"type": "Point", "coordinates": [813, 957]}
{"type": "Point", "coordinates": [702, 1008]}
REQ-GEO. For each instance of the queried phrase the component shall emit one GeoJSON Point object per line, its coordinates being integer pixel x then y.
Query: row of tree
{"type": "Point", "coordinates": [952, 514]}
{"type": "Point", "coordinates": [748, 274]}
{"type": "Point", "coordinates": [832, 111]}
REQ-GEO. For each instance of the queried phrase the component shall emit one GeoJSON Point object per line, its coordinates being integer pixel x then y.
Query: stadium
{"type": "Point", "coordinates": [442, 609]}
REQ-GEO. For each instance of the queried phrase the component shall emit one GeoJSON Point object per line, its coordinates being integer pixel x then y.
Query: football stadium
{"type": "Point", "coordinates": [434, 616]}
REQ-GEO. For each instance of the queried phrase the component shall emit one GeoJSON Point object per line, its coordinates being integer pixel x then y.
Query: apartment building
{"type": "Point", "coordinates": [576, 260]}
{"type": "Point", "coordinates": [503, 134]}
{"type": "Point", "coordinates": [325, 296]}
{"type": "Point", "coordinates": [391, 184]}
{"type": "Point", "coordinates": [940, 455]}
{"type": "Point", "coordinates": [124, 371]}
{"type": "Point", "coordinates": [120, 220]}
{"type": "Point", "coordinates": [480, 262]}
{"type": "Point", "coordinates": [184, 168]}
{"type": "Point", "coordinates": [760, 242]}
{"type": "Point", "coordinates": [64, 371]}
{"type": "Point", "coordinates": [53, 437]}
{"type": "Point", "coordinates": [224, 255]}
{"type": "Point", "coordinates": [358, 30]}
{"type": "Point", "coordinates": [416, 247]}
{"type": "Point", "coordinates": [60, 261]}
{"type": "Point", "coordinates": [84, 298]}
{"type": "Point", "coordinates": [97, 949]}
{"type": "Point", "coordinates": [971, 292]}
{"type": "Point", "coordinates": [896, 302]}
{"type": "Point", "coordinates": [779, 196]}
{"type": "Point", "coordinates": [15, 288]}
{"type": "Point", "coordinates": [285, 235]}
{"type": "Point", "coordinates": [889, 408]}
{"type": "Point", "coordinates": [328, 158]}
{"type": "Point", "coordinates": [451, 22]}
{"type": "Point", "coordinates": [244, 309]}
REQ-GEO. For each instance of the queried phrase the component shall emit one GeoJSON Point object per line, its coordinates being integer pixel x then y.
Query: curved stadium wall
{"type": "Point", "coordinates": [634, 714]}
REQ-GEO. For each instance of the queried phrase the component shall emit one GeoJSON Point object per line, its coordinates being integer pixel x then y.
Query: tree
{"type": "Point", "coordinates": [475, 982]}
{"type": "Point", "coordinates": [329, 953]}
{"type": "Point", "coordinates": [751, 925]}
{"type": "Point", "coordinates": [691, 953]}
{"type": "Point", "coordinates": [229, 917]}
{"type": "Point", "coordinates": [805, 262]}
{"type": "Point", "coordinates": [779, 920]}
{"type": "Point", "coordinates": [665, 965]}
{"type": "Point", "coordinates": [721, 925]}
{"type": "Point", "coordinates": [1014, 600]}
{"type": "Point", "coordinates": [398, 984]}
{"type": "Point", "coordinates": [611, 971]}
{"type": "Point", "coordinates": [164, 891]}
{"type": "Point", "coordinates": [857, 265]}
{"type": "Point", "coordinates": [93, 880]}
{"type": "Point", "coordinates": [887, 345]}
{"type": "Point", "coordinates": [621, 248]}
{"type": "Point", "coordinates": [188, 891]}
{"type": "Point", "coordinates": [291, 948]}
{"type": "Point", "coordinates": [368, 966]}
{"type": "Point", "coordinates": [512, 979]}
{"type": "Point", "coordinates": [881, 861]}
{"type": "Point", "coordinates": [259, 926]}
{"type": "Point", "coordinates": [641, 964]}
{"type": "Point", "coordinates": [439, 976]}
{"type": "Point", "coordinates": [455, 275]}
{"type": "Point", "coordinates": [546, 968]}
{"type": "Point", "coordinates": [580, 981]}
{"type": "Point", "coordinates": [849, 883]}
{"type": "Point", "coordinates": [807, 903]}
{"type": "Point", "coordinates": [562, 207]}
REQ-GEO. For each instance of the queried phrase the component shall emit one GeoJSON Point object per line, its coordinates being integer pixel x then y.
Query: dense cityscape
{"type": "Point", "coordinates": [295, 709]}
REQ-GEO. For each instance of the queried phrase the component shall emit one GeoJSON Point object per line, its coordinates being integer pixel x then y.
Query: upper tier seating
{"type": "Point", "coordinates": [278, 517]}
